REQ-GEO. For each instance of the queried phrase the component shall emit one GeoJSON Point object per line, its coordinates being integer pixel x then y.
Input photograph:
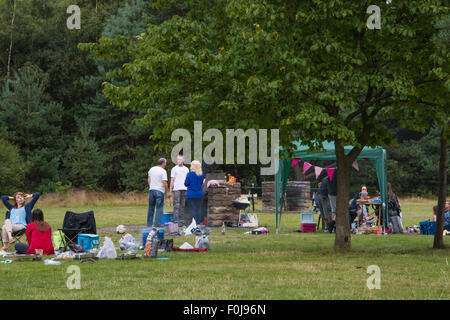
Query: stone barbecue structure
{"type": "Point", "coordinates": [220, 204]}
{"type": "Point", "coordinates": [298, 194]}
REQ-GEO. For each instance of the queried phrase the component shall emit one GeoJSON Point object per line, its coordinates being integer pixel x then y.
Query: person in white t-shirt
{"type": "Point", "coordinates": [178, 189]}
{"type": "Point", "coordinates": [157, 181]}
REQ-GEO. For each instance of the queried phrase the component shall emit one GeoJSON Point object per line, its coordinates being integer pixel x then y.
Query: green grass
{"type": "Point", "coordinates": [289, 265]}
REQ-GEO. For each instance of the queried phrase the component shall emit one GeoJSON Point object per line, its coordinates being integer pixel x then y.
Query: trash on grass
{"type": "Point", "coordinates": [128, 242]}
{"type": "Point", "coordinates": [186, 246]}
{"type": "Point", "coordinates": [191, 228]}
{"type": "Point", "coordinates": [51, 262]}
{"type": "Point", "coordinates": [108, 251]}
{"type": "Point", "coordinates": [202, 242]}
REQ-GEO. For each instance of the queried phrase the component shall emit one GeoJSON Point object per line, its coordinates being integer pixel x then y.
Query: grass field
{"type": "Point", "coordinates": [288, 265]}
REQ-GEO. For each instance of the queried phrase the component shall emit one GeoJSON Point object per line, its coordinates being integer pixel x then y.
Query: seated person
{"type": "Point", "coordinates": [353, 210]}
{"type": "Point", "coordinates": [19, 215]}
{"type": "Point", "coordinates": [39, 236]}
{"type": "Point", "coordinates": [447, 216]}
{"type": "Point", "coordinates": [363, 211]}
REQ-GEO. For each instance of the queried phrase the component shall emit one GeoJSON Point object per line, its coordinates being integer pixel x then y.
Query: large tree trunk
{"type": "Point", "coordinates": [344, 165]}
{"type": "Point", "coordinates": [438, 237]}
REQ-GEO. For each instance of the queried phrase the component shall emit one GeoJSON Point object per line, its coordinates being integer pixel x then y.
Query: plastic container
{"type": "Point", "coordinates": [167, 217]}
{"type": "Point", "coordinates": [161, 234]}
{"type": "Point", "coordinates": [88, 241]}
{"type": "Point", "coordinates": [306, 217]}
{"type": "Point", "coordinates": [145, 233]}
{"type": "Point", "coordinates": [308, 227]}
{"type": "Point", "coordinates": [427, 227]}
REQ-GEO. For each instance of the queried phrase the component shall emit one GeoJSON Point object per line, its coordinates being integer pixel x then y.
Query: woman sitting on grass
{"type": "Point", "coordinates": [18, 217]}
{"type": "Point", "coordinates": [39, 236]}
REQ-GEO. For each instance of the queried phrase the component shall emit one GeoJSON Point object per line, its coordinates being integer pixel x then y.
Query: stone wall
{"type": "Point", "coordinates": [298, 195]}
{"type": "Point", "coordinates": [220, 204]}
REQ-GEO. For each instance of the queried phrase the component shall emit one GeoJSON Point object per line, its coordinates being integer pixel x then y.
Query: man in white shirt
{"type": "Point", "coordinates": [178, 176]}
{"type": "Point", "coordinates": [157, 181]}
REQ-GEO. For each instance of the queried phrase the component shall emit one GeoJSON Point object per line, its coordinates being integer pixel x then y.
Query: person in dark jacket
{"type": "Point", "coordinates": [394, 212]}
{"type": "Point", "coordinates": [19, 215]}
{"type": "Point", "coordinates": [353, 210]}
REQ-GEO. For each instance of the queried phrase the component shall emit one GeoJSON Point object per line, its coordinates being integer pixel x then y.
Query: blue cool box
{"type": "Point", "coordinates": [167, 217]}
{"type": "Point", "coordinates": [88, 241]}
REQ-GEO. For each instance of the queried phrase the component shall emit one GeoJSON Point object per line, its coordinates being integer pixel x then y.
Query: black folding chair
{"type": "Point", "coordinates": [17, 235]}
{"type": "Point", "coordinates": [75, 224]}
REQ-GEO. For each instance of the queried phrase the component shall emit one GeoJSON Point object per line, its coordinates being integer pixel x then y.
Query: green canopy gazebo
{"type": "Point", "coordinates": [377, 154]}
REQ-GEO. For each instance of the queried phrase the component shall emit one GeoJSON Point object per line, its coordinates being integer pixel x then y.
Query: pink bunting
{"type": "Point", "coordinates": [355, 165]}
{"type": "Point", "coordinates": [318, 171]}
{"type": "Point", "coordinates": [295, 161]}
{"type": "Point", "coordinates": [306, 167]}
{"type": "Point", "coordinates": [330, 173]}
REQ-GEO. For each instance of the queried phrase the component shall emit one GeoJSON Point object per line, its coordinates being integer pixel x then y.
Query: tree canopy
{"type": "Point", "coordinates": [300, 66]}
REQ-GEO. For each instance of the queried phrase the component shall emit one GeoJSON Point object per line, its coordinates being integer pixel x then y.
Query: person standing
{"type": "Point", "coordinates": [332, 195]}
{"type": "Point", "coordinates": [157, 181]}
{"type": "Point", "coordinates": [178, 190]}
{"type": "Point", "coordinates": [394, 212]}
{"type": "Point", "coordinates": [194, 194]}
{"type": "Point", "coordinates": [19, 215]}
{"type": "Point", "coordinates": [324, 203]}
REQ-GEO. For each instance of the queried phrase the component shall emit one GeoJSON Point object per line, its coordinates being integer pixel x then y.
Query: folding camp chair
{"type": "Point", "coordinates": [75, 224]}
{"type": "Point", "coordinates": [17, 235]}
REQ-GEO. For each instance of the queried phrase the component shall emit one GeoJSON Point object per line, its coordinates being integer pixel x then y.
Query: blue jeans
{"type": "Point", "coordinates": [155, 198]}
{"type": "Point", "coordinates": [195, 209]}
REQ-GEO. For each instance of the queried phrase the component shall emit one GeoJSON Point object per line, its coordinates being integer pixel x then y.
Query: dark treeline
{"type": "Point", "coordinates": [58, 130]}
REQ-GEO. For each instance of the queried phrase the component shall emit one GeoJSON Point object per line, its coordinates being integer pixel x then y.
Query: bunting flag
{"type": "Point", "coordinates": [306, 167]}
{"type": "Point", "coordinates": [295, 161]}
{"type": "Point", "coordinates": [318, 171]}
{"type": "Point", "coordinates": [355, 165]}
{"type": "Point", "coordinates": [330, 173]}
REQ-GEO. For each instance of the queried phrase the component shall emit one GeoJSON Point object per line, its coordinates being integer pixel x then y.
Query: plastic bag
{"type": "Point", "coordinates": [128, 242]}
{"type": "Point", "coordinates": [202, 242]}
{"type": "Point", "coordinates": [107, 251]}
{"type": "Point", "coordinates": [186, 246]}
{"type": "Point", "coordinates": [191, 228]}
{"type": "Point", "coordinates": [58, 240]}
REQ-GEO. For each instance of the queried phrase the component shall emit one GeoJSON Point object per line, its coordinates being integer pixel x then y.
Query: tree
{"type": "Point", "coordinates": [33, 123]}
{"type": "Point", "coordinates": [83, 160]}
{"type": "Point", "coordinates": [299, 65]}
{"type": "Point", "coordinates": [13, 169]}
{"type": "Point", "coordinates": [442, 40]}
{"type": "Point", "coordinates": [125, 144]}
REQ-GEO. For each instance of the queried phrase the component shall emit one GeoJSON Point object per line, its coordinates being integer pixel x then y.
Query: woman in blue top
{"type": "Point", "coordinates": [194, 193]}
{"type": "Point", "coordinates": [19, 215]}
